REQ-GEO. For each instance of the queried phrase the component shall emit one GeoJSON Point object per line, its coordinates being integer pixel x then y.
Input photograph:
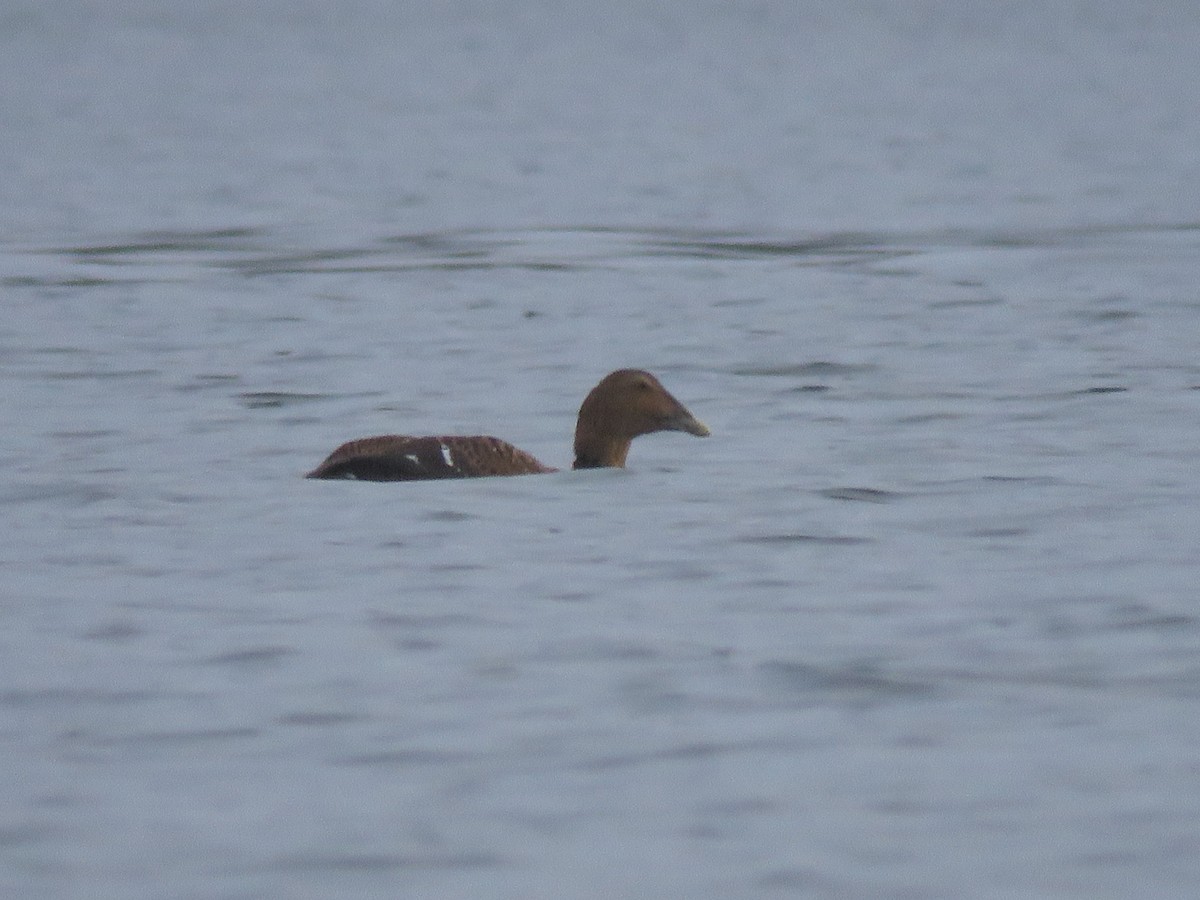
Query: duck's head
{"type": "Point", "coordinates": [625, 404]}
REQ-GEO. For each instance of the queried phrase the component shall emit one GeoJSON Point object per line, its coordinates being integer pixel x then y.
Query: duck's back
{"type": "Point", "coordinates": [395, 457]}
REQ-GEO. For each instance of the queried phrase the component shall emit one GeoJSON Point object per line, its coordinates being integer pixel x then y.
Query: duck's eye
{"type": "Point", "coordinates": [643, 384]}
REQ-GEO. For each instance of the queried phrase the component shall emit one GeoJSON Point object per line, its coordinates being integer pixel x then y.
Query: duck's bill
{"type": "Point", "coordinates": [689, 423]}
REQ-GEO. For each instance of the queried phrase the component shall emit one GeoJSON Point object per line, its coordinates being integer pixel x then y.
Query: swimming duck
{"type": "Point", "coordinates": [626, 403]}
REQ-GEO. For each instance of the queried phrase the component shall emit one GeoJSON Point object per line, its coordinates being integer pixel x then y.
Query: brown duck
{"type": "Point", "coordinates": [625, 404]}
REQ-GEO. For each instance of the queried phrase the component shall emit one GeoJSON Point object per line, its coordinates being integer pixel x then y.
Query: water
{"type": "Point", "coordinates": [917, 621]}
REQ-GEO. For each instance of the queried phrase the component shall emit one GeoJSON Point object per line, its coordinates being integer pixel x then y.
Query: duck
{"type": "Point", "coordinates": [625, 404]}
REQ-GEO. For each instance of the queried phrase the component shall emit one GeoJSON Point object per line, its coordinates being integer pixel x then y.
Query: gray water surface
{"type": "Point", "coordinates": [918, 620]}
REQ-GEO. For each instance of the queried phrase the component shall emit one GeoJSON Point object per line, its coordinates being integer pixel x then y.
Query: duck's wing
{"type": "Point", "coordinates": [395, 457]}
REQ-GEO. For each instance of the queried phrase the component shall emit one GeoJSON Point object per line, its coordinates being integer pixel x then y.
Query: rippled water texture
{"type": "Point", "coordinates": [918, 620]}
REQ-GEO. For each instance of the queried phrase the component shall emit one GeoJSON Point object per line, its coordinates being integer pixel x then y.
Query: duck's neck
{"type": "Point", "coordinates": [594, 452]}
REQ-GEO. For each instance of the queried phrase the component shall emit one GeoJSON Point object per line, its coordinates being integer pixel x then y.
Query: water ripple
{"type": "Point", "coordinates": [804, 538]}
{"type": "Point", "coordinates": [852, 681]}
{"type": "Point", "coordinates": [863, 495]}
{"type": "Point", "coordinates": [386, 862]}
{"type": "Point", "coordinates": [256, 252]}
